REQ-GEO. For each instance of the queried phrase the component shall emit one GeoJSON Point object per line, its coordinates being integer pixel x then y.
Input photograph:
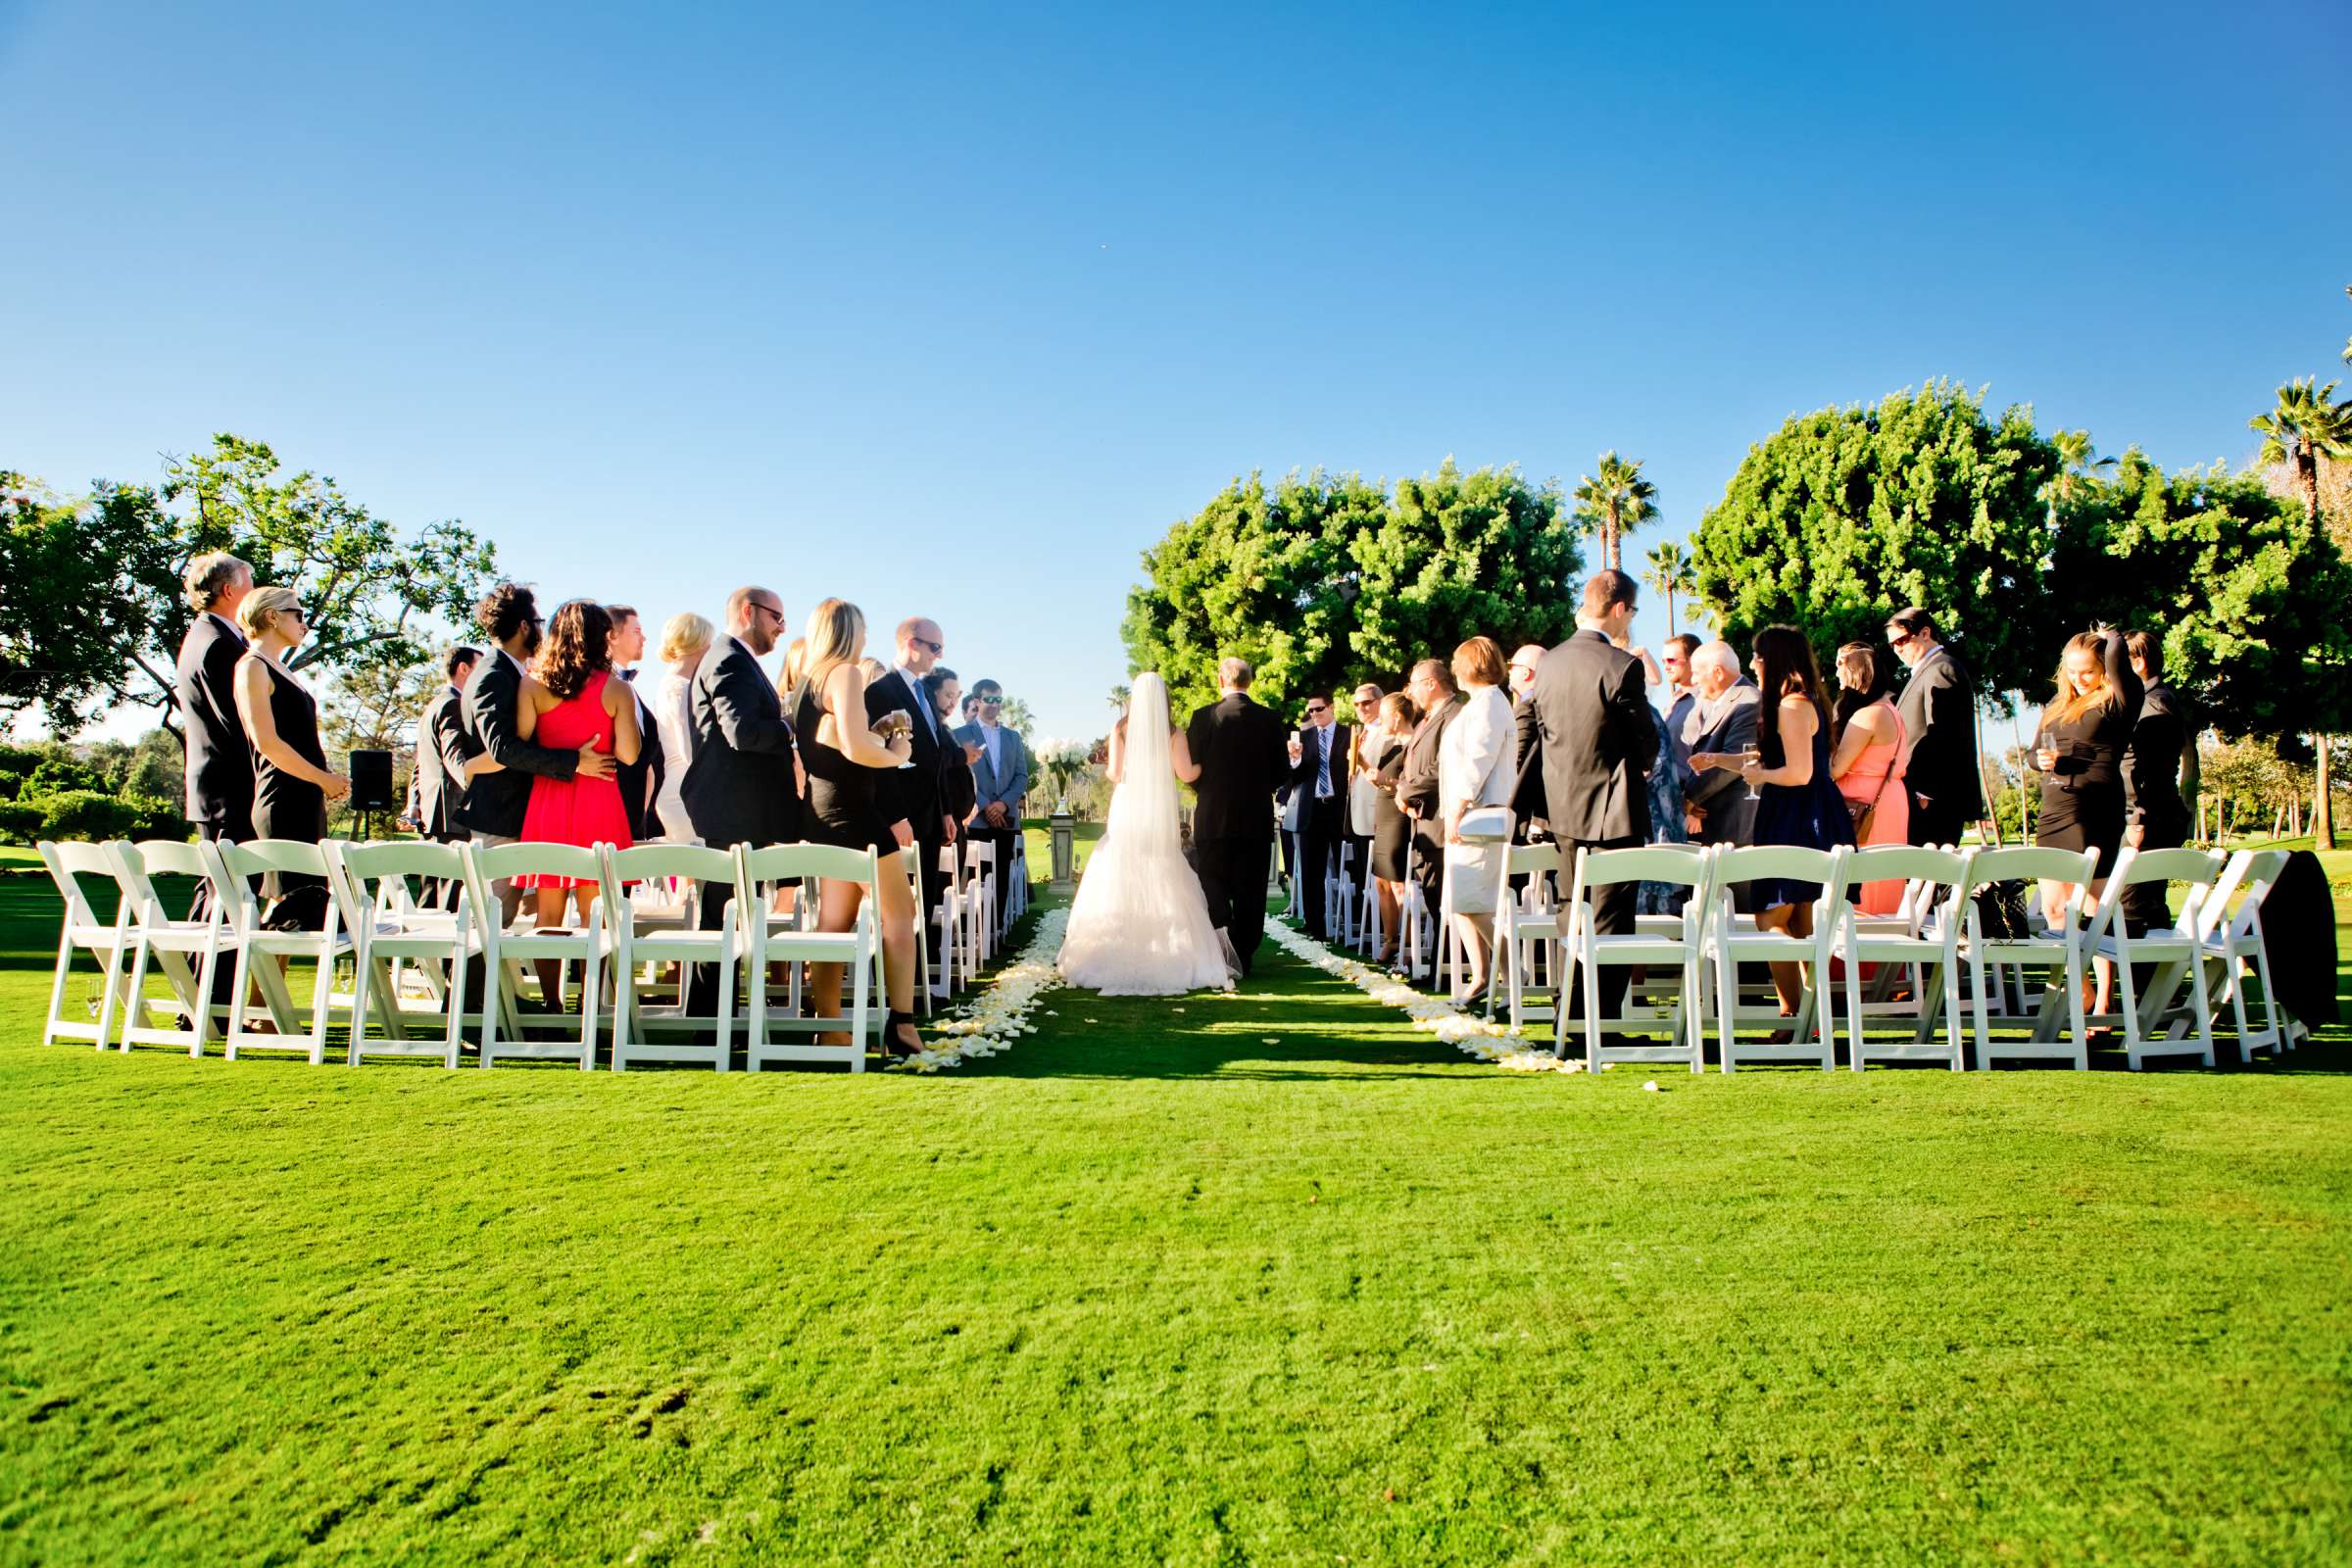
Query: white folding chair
{"type": "Point", "coordinates": [2060, 953]}
{"type": "Point", "coordinates": [1592, 951]}
{"type": "Point", "coordinates": [2233, 943]}
{"type": "Point", "coordinates": [2157, 1024]}
{"type": "Point", "coordinates": [185, 952]}
{"type": "Point", "coordinates": [1931, 952]}
{"type": "Point", "coordinates": [1732, 939]}
{"type": "Point", "coordinates": [911, 862]}
{"type": "Point", "coordinates": [858, 949]}
{"type": "Point", "coordinates": [948, 922]}
{"type": "Point", "coordinates": [639, 940]}
{"type": "Point", "coordinates": [390, 927]}
{"type": "Point", "coordinates": [1413, 919]}
{"type": "Point", "coordinates": [1530, 927]}
{"type": "Point", "coordinates": [1016, 895]}
{"type": "Point", "coordinates": [106, 941]}
{"type": "Point", "coordinates": [1338, 868]}
{"type": "Point", "coordinates": [260, 951]}
{"type": "Point", "coordinates": [505, 950]}
{"type": "Point", "coordinates": [980, 900]}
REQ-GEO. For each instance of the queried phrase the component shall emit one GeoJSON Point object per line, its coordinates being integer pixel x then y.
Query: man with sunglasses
{"type": "Point", "coordinates": [1000, 779]}
{"type": "Point", "coordinates": [1319, 776]}
{"type": "Point", "coordinates": [916, 792]}
{"type": "Point", "coordinates": [1939, 710]}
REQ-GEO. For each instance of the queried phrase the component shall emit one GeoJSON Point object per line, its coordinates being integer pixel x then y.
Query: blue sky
{"type": "Point", "coordinates": [955, 308]}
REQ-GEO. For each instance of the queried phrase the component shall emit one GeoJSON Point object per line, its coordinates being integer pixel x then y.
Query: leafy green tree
{"type": "Point", "coordinates": [1323, 582]}
{"type": "Point", "coordinates": [75, 596]}
{"type": "Point", "coordinates": [1614, 502]}
{"type": "Point", "coordinates": [1669, 574]}
{"type": "Point", "coordinates": [2079, 470]}
{"type": "Point", "coordinates": [2306, 423]}
{"type": "Point", "coordinates": [1843, 516]}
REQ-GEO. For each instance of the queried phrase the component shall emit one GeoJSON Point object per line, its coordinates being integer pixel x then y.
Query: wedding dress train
{"type": "Point", "coordinates": [1139, 926]}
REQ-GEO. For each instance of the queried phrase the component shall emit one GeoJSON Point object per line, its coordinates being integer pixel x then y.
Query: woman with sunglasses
{"type": "Point", "coordinates": [291, 781]}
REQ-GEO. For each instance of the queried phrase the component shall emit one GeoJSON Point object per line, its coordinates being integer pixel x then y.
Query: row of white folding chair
{"type": "Point", "coordinates": [2236, 949]}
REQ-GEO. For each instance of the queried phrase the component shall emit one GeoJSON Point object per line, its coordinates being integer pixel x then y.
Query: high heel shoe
{"type": "Point", "coordinates": [893, 1044]}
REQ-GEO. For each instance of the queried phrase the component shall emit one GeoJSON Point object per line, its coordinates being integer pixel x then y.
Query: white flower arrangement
{"type": "Point", "coordinates": [1494, 1043]}
{"type": "Point", "coordinates": [1000, 1015]}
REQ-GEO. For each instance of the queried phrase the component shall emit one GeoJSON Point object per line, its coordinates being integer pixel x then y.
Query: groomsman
{"type": "Point", "coordinates": [2160, 755]}
{"type": "Point", "coordinates": [219, 777]}
{"type": "Point", "coordinates": [641, 780]}
{"type": "Point", "coordinates": [1939, 710]}
{"type": "Point", "coordinates": [1319, 773]}
{"type": "Point", "coordinates": [916, 792]}
{"type": "Point", "coordinates": [743, 785]}
{"type": "Point", "coordinates": [1001, 778]}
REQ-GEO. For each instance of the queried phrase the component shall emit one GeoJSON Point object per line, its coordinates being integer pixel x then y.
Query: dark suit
{"type": "Point", "coordinates": [1598, 736]}
{"type": "Point", "coordinates": [1938, 710]}
{"type": "Point", "coordinates": [2160, 737]}
{"type": "Point", "coordinates": [914, 794]}
{"type": "Point", "coordinates": [1527, 793]}
{"type": "Point", "coordinates": [640, 781]}
{"type": "Point", "coordinates": [219, 758]}
{"type": "Point", "coordinates": [1242, 758]}
{"type": "Point", "coordinates": [494, 802]}
{"type": "Point", "coordinates": [739, 789]}
{"type": "Point", "coordinates": [1727, 724]}
{"type": "Point", "coordinates": [1417, 787]}
{"type": "Point", "coordinates": [443, 752]}
{"type": "Point", "coordinates": [1324, 821]}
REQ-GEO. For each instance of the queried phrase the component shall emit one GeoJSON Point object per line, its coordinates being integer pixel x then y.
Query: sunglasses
{"type": "Point", "coordinates": [767, 610]}
{"type": "Point", "coordinates": [938, 650]}
{"type": "Point", "coordinates": [1319, 708]}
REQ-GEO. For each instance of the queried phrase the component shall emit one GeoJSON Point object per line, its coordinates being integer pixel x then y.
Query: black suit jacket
{"type": "Point", "coordinates": [1527, 793]}
{"type": "Point", "coordinates": [2152, 766]}
{"type": "Point", "coordinates": [443, 749]}
{"type": "Point", "coordinates": [1244, 759]}
{"type": "Point", "coordinates": [219, 758]}
{"type": "Point", "coordinates": [1938, 710]}
{"type": "Point", "coordinates": [494, 802]}
{"type": "Point", "coordinates": [1301, 776]}
{"type": "Point", "coordinates": [640, 781]}
{"type": "Point", "coordinates": [911, 793]}
{"type": "Point", "coordinates": [1417, 784]}
{"type": "Point", "coordinates": [1598, 737]}
{"type": "Point", "coordinates": [740, 789]}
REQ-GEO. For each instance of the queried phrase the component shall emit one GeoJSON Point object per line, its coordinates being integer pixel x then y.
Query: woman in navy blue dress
{"type": "Point", "coordinates": [1797, 802]}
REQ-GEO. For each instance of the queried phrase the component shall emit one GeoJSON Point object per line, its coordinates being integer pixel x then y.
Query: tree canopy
{"type": "Point", "coordinates": [77, 595]}
{"type": "Point", "coordinates": [1843, 516]}
{"type": "Point", "coordinates": [1323, 581]}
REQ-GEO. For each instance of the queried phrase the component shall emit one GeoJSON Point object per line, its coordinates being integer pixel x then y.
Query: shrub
{"type": "Point", "coordinates": [84, 815]}
{"type": "Point", "coordinates": [20, 823]}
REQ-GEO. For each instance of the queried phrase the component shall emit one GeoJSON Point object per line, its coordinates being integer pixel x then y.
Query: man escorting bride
{"type": "Point", "coordinates": [1143, 924]}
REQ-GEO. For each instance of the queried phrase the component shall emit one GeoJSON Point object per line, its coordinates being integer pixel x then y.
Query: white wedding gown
{"type": "Point", "coordinates": [1139, 926]}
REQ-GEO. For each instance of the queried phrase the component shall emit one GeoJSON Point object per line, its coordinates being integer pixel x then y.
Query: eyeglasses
{"type": "Point", "coordinates": [1897, 636]}
{"type": "Point", "coordinates": [937, 650]}
{"type": "Point", "coordinates": [769, 610]}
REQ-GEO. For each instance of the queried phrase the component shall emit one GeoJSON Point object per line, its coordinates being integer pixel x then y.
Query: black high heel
{"type": "Point", "coordinates": [892, 1044]}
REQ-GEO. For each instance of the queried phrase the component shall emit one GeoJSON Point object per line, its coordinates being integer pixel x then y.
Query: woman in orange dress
{"type": "Point", "coordinates": [571, 700]}
{"type": "Point", "coordinates": [1868, 759]}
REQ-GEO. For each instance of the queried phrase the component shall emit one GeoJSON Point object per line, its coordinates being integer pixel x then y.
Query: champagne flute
{"type": "Point", "coordinates": [1751, 755]}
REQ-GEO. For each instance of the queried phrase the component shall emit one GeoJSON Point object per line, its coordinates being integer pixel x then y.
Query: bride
{"type": "Point", "coordinates": [1139, 926]}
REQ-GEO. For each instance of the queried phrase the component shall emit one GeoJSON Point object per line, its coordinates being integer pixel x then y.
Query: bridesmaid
{"type": "Point", "coordinates": [1392, 829]}
{"type": "Point", "coordinates": [292, 782]}
{"type": "Point", "coordinates": [570, 701]}
{"type": "Point", "coordinates": [1868, 759]}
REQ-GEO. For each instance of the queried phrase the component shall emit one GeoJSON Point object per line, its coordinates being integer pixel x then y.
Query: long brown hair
{"type": "Point", "coordinates": [1790, 669]}
{"type": "Point", "coordinates": [1862, 661]}
{"type": "Point", "coordinates": [579, 640]}
{"type": "Point", "coordinates": [2065, 704]}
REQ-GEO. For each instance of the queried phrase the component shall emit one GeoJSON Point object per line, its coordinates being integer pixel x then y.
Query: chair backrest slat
{"type": "Point", "coordinates": [1890, 863]}
{"type": "Point", "coordinates": [1643, 863]}
{"type": "Point", "coordinates": [286, 857]}
{"type": "Point", "coordinates": [2032, 863]}
{"type": "Point", "coordinates": [2170, 866]}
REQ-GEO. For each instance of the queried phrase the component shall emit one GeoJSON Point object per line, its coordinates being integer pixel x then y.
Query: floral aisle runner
{"type": "Point", "coordinates": [1472, 1036]}
{"type": "Point", "coordinates": [1000, 1015]}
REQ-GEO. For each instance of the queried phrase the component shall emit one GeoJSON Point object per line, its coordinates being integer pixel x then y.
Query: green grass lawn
{"type": "Point", "coordinates": [1268, 1279]}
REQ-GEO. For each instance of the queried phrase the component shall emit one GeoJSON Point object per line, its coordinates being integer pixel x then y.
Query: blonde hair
{"type": "Point", "coordinates": [261, 604]}
{"type": "Point", "coordinates": [872, 669]}
{"type": "Point", "coordinates": [209, 575]}
{"type": "Point", "coordinates": [836, 635]}
{"type": "Point", "coordinates": [684, 634]}
{"type": "Point", "coordinates": [2065, 704]}
{"type": "Point", "coordinates": [796, 660]}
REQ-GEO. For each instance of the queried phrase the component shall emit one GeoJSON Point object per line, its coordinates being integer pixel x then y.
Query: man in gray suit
{"type": "Point", "coordinates": [1000, 776]}
{"type": "Point", "coordinates": [1722, 721]}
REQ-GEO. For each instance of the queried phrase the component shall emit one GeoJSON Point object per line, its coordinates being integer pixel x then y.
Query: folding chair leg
{"type": "Point", "coordinates": [134, 1014]}
{"type": "Point", "coordinates": [361, 988]}
{"type": "Point", "coordinates": [1590, 976]}
{"type": "Point", "coordinates": [590, 989]}
{"type": "Point", "coordinates": [2204, 1002]}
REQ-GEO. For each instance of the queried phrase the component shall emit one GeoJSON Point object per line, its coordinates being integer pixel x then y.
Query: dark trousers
{"type": "Point", "coordinates": [935, 887]}
{"type": "Point", "coordinates": [1233, 877]}
{"type": "Point", "coordinates": [202, 904]}
{"type": "Point", "coordinates": [1612, 915]}
{"type": "Point", "coordinates": [1933, 821]}
{"type": "Point", "coordinates": [702, 987]}
{"type": "Point", "coordinates": [2148, 906]}
{"type": "Point", "coordinates": [1318, 844]}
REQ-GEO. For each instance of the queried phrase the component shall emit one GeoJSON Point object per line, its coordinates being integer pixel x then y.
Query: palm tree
{"type": "Point", "coordinates": [1615, 503]}
{"type": "Point", "coordinates": [2305, 424]}
{"type": "Point", "coordinates": [2079, 466]}
{"type": "Point", "coordinates": [1670, 573]}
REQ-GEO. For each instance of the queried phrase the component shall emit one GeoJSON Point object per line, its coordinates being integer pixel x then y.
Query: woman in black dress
{"type": "Point", "coordinates": [1392, 829]}
{"type": "Point", "coordinates": [846, 760]}
{"type": "Point", "coordinates": [2079, 749]}
{"type": "Point", "coordinates": [291, 781]}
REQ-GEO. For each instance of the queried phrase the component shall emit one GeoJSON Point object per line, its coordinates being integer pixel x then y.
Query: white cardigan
{"type": "Point", "coordinates": [1477, 764]}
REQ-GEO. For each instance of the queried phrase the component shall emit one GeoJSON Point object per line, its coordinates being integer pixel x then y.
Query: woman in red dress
{"type": "Point", "coordinates": [569, 701]}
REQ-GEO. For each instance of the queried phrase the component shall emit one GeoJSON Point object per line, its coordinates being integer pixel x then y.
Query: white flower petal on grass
{"type": "Point", "coordinates": [1651, 1087]}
